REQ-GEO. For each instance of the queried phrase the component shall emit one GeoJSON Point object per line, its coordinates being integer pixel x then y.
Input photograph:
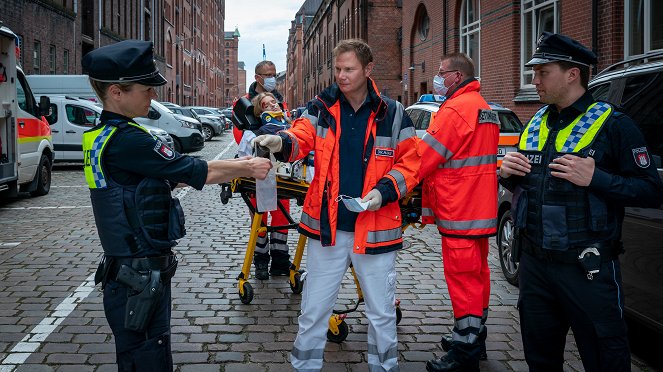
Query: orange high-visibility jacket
{"type": "Point", "coordinates": [459, 157]}
{"type": "Point", "coordinates": [391, 161]}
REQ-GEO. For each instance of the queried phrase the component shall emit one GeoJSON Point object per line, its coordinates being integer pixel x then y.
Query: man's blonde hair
{"type": "Point", "coordinates": [358, 47]}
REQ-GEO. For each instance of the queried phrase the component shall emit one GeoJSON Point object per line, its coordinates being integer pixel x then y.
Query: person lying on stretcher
{"type": "Point", "coordinates": [265, 107]}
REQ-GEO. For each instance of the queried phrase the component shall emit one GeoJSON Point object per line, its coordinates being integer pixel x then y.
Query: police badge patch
{"type": "Point", "coordinates": [163, 150]}
{"type": "Point", "coordinates": [641, 157]}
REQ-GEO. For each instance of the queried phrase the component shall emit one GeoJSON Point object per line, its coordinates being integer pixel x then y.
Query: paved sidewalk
{"type": "Point", "coordinates": [47, 254]}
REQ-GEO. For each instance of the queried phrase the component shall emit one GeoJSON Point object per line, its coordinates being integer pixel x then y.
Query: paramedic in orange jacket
{"type": "Point", "coordinates": [458, 166]}
{"type": "Point", "coordinates": [365, 147]}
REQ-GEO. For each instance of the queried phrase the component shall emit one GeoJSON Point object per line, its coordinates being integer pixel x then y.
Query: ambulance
{"type": "Point", "coordinates": [26, 146]}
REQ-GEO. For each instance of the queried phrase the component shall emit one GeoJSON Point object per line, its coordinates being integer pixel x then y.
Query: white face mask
{"type": "Point", "coordinates": [439, 87]}
{"type": "Point", "coordinates": [269, 83]}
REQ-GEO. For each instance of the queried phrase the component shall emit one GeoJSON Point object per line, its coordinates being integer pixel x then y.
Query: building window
{"type": "Point", "coordinates": [536, 16]}
{"type": "Point", "coordinates": [65, 62]}
{"type": "Point", "coordinates": [51, 58]}
{"type": "Point", "coordinates": [423, 23]}
{"type": "Point", "coordinates": [36, 57]}
{"type": "Point", "coordinates": [643, 26]}
{"type": "Point", "coordinates": [470, 32]}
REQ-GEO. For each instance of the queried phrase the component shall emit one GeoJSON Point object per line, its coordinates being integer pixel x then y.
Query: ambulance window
{"type": "Point", "coordinates": [424, 122]}
{"type": "Point", "coordinates": [24, 96]}
{"type": "Point", "coordinates": [509, 123]}
{"type": "Point", "coordinates": [414, 116]}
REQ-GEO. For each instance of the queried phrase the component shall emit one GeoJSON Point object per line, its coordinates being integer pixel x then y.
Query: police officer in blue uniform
{"type": "Point", "coordinates": [579, 163]}
{"type": "Point", "coordinates": [131, 174]}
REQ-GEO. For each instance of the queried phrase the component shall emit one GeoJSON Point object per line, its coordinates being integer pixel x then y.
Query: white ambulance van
{"type": "Point", "coordinates": [26, 147]}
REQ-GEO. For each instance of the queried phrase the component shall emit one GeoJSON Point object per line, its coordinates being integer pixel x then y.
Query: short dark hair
{"type": "Point", "coordinates": [263, 63]}
{"type": "Point", "coordinates": [584, 71]}
{"type": "Point", "coordinates": [358, 47]}
{"type": "Point", "coordinates": [461, 62]}
{"type": "Point", "coordinates": [101, 88]}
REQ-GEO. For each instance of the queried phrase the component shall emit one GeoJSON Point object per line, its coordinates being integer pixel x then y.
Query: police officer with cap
{"type": "Point", "coordinates": [131, 174]}
{"type": "Point", "coordinates": [579, 163]}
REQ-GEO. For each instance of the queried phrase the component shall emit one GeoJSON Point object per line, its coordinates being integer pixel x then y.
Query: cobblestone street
{"type": "Point", "coordinates": [51, 315]}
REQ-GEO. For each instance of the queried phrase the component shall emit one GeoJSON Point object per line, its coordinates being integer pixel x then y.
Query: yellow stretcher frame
{"type": "Point", "coordinates": [294, 189]}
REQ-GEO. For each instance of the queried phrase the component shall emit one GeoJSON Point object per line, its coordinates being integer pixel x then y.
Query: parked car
{"type": "Point", "coordinates": [212, 126]}
{"type": "Point", "coordinates": [423, 113]}
{"type": "Point", "coordinates": [69, 117]}
{"type": "Point", "coordinates": [186, 132]}
{"type": "Point", "coordinates": [227, 112]}
{"type": "Point", "coordinates": [636, 87]}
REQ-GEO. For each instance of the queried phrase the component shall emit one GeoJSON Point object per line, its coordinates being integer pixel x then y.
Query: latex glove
{"type": "Point", "coordinates": [272, 142]}
{"type": "Point", "coordinates": [374, 200]}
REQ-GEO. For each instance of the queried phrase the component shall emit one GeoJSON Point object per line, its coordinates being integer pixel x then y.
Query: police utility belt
{"type": "Point", "coordinates": [145, 280]}
{"type": "Point", "coordinates": [590, 257]}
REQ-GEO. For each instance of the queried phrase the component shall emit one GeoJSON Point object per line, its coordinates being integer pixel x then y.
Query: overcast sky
{"type": "Point", "coordinates": [261, 22]}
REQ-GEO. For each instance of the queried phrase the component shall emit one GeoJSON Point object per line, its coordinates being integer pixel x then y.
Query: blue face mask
{"type": "Point", "coordinates": [439, 87]}
{"type": "Point", "coordinates": [269, 84]}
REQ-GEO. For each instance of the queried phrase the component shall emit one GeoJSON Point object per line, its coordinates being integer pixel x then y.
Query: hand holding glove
{"type": "Point", "coordinates": [272, 142]}
{"type": "Point", "coordinates": [374, 200]}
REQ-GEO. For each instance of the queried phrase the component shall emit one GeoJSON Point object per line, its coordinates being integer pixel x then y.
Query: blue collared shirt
{"type": "Point", "coordinates": [351, 152]}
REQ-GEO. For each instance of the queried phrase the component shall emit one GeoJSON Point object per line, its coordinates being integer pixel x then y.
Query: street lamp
{"type": "Point", "coordinates": [422, 64]}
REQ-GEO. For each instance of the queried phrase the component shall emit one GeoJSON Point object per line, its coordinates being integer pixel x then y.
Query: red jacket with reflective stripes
{"type": "Point", "coordinates": [391, 161]}
{"type": "Point", "coordinates": [458, 166]}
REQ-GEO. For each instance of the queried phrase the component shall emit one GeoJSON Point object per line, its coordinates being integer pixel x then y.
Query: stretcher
{"type": "Point", "coordinates": [291, 184]}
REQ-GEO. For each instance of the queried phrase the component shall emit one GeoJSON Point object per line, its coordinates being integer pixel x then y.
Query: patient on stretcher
{"type": "Point", "coordinates": [265, 107]}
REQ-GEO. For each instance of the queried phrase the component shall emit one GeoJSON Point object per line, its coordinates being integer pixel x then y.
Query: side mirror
{"type": "Point", "coordinates": [153, 114]}
{"type": "Point", "coordinates": [44, 106]}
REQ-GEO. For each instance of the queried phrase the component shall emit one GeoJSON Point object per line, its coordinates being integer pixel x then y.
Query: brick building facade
{"type": "Point", "coordinates": [500, 36]}
{"type": "Point", "coordinates": [377, 22]}
{"type": "Point", "coordinates": [231, 81]}
{"type": "Point", "coordinates": [56, 34]}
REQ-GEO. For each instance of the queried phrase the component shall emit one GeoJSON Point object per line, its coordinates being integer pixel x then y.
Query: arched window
{"type": "Point", "coordinates": [470, 31]}
{"type": "Point", "coordinates": [423, 23]}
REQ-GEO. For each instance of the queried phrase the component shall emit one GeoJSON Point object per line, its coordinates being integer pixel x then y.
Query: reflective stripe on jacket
{"type": "Point", "coordinates": [390, 158]}
{"type": "Point", "coordinates": [459, 159]}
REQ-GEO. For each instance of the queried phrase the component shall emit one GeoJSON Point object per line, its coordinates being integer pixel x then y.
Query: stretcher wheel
{"type": "Point", "coordinates": [247, 297]}
{"type": "Point", "coordinates": [399, 314]}
{"type": "Point", "coordinates": [226, 193]}
{"type": "Point", "coordinates": [343, 331]}
{"type": "Point", "coordinates": [298, 286]}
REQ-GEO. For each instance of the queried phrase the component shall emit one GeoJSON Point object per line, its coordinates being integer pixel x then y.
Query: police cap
{"type": "Point", "coordinates": [129, 61]}
{"type": "Point", "coordinates": [557, 47]}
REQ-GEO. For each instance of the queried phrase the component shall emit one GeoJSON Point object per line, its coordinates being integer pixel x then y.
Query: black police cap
{"type": "Point", "coordinates": [557, 47]}
{"type": "Point", "coordinates": [129, 61]}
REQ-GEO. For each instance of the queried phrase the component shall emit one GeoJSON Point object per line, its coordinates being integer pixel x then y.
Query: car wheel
{"type": "Point", "coordinates": [208, 132]}
{"type": "Point", "coordinates": [43, 177]}
{"type": "Point", "coordinates": [177, 145]}
{"type": "Point", "coordinates": [505, 247]}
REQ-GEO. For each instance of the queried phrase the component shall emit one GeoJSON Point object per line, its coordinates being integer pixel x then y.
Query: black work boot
{"type": "Point", "coordinates": [261, 262]}
{"type": "Point", "coordinates": [446, 346]}
{"type": "Point", "coordinates": [280, 263]}
{"type": "Point", "coordinates": [448, 363]}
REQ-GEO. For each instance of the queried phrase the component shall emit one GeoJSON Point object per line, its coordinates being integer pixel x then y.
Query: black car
{"type": "Point", "coordinates": [636, 87]}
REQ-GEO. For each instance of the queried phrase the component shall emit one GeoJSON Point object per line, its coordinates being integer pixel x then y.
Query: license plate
{"type": "Point", "coordinates": [501, 151]}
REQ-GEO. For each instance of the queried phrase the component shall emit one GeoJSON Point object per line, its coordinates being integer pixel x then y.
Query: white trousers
{"type": "Point", "coordinates": [326, 267]}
